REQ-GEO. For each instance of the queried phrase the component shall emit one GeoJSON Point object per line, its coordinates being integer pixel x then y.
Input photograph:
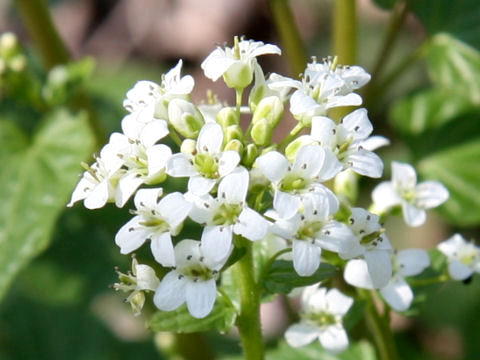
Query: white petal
{"type": "Point", "coordinates": [412, 215]}
{"type": "Point", "coordinates": [358, 124]}
{"type": "Point", "coordinates": [338, 303]}
{"type": "Point", "coordinates": [356, 274]}
{"type": "Point", "coordinates": [403, 176]}
{"type": "Point", "coordinates": [233, 188]}
{"type": "Point", "coordinates": [365, 163]}
{"type": "Point", "coordinates": [379, 263]}
{"type": "Point", "coordinates": [375, 142]}
{"type": "Point", "coordinates": [146, 278]}
{"type": "Point", "coordinates": [200, 297]}
{"type": "Point", "coordinates": [300, 103]}
{"type": "Point", "coordinates": [323, 130]}
{"type": "Point", "coordinates": [309, 161]}
{"type": "Point", "coordinates": [266, 49]}
{"type": "Point", "coordinates": [450, 246]}
{"type": "Point", "coordinates": [301, 334]}
{"type": "Point", "coordinates": [170, 294]}
{"type": "Point", "coordinates": [131, 236]}
{"type": "Point", "coordinates": [339, 239]}
{"type": "Point", "coordinates": [285, 204]}
{"type": "Point", "coordinates": [210, 139]}
{"type": "Point", "coordinates": [334, 339]}
{"type": "Point", "coordinates": [273, 165]}
{"type": "Point", "coordinates": [398, 294]}
{"type": "Point", "coordinates": [385, 196]}
{"type": "Point", "coordinates": [127, 185]}
{"type": "Point", "coordinates": [157, 157]}
{"type": "Point", "coordinates": [216, 64]}
{"type": "Point", "coordinates": [251, 225]}
{"type": "Point", "coordinates": [458, 270]}
{"type": "Point", "coordinates": [306, 257]}
{"type": "Point", "coordinates": [216, 242]}
{"type": "Point", "coordinates": [201, 211]}
{"type": "Point", "coordinates": [412, 261]}
{"type": "Point", "coordinates": [153, 131]}
{"type": "Point", "coordinates": [179, 165]}
{"type": "Point", "coordinates": [430, 194]}
{"type": "Point", "coordinates": [187, 251]}
{"type": "Point", "coordinates": [162, 249]}
{"type": "Point", "coordinates": [346, 100]}
{"type": "Point", "coordinates": [147, 198]}
{"type": "Point", "coordinates": [228, 162]}
{"type": "Point", "coordinates": [330, 168]}
{"type": "Point", "coordinates": [98, 197]}
{"type": "Point", "coordinates": [200, 185]}
{"type": "Point", "coordinates": [174, 208]}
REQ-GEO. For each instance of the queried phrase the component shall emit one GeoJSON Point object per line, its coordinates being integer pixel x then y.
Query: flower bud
{"type": "Point", "coordinates": [250, 155]}
{"type": "Point", "coordinates": [265, 118]}
{"type": "Point", "coordinates": [235, 145]}
{"type": "Point", "coordinates": [239, 75]}
{"type": "Point", "coordinates": [292, 149]}
{"type": "Point", "coordinates": [8, 45]}
{"type": "Point", "coordinates": [189, 146]}
{"type": "Point", "coordinates": [185, 117]}
{"type": "Point", "coordinates": [233, 132]}
{"type": "Point", "coordinates": [227, 116]}
{"type": "Point", "coordinates": [261, 132]}
{"type": "Point", "coordinates": [346, 184]}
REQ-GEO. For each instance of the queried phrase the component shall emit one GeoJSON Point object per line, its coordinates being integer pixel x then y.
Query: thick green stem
{"type": "Point", "coordinates": [248, 322]}
{"type": "Point", "coordinates": [379, 328]}
{"type": "Point", "coordinates": [289, 35]}
{"type": "Point", "coordinates": [40, 26]}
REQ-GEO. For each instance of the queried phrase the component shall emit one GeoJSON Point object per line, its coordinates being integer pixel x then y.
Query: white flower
{"type": "Point", "coordinates": [463, 257]}
{"type": "Point", "coordinates": [157, 220]}
{"type": "Point", "coordinates": [414, 198]}
{"type": "Point", "coordinates": [192, 281]}
{"type": "Point", "coordinates": [312, 166]}
{"type": "Point", "coordinates": [311, 231]}
{"type": "Point", "coordinates": [322, 313]}
{"type": "Point", "coordinates": [350, 142]}
{"type": "Point", "coordinates": [373, 245]}
{"type": "Point", "coordinates": [209, 163]}
{"type": "Point", "coordinates": [236, 64]}
{"type": "Point", "coordinates": [141, 279]}
{"type": "Point", "coordinates": [98, 184]}
{"type": "Point", "coordinates": [148, 100]}
{"type": "Point", "coordinates": [227, 214]}
{"type": "Point", "coordinates": [323, 86]}
{"type": "Point", "coordinates": [397, 293]}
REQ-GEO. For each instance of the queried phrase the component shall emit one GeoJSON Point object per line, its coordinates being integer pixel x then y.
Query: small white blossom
{"type": "Point", "coordinates": [321, 318]}
{"type": "Point", "coordinates": [311, 231]}
{"type": "Point", "coordinates": [312, 166]}
{"type": "Point", "coordinates": [192, 281]}
{"type": "Point", "coordinates": [397, 293]}
{"type": "Point", "coordinates": [373, 245]}
{"type": "Point", "coordinates": [350, 142]}
{"type": "Point", "coordinates": [209, 163]}
{"type": "Point", "coordinates": [156, 220]}
{"type": "Point", "coordinates": [236, 64]}
{"type": "Point", "coordinates": [227, 214]}
{"type": "Point", "coordinates": [463, 257]}
{"type": "Point", "coordinates": [414, 198]}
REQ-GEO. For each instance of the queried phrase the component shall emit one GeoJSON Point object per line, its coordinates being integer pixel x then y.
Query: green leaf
{"type": "Point", "coordinates": [35, 186]}
{"type": "Point", "coordinates": [360, 350]}
{"type": "Point", "coordinates": [282, 278]}
{"type": "Point", "coordinates": [222, 318]}
{"type": "Point", "coordinates": [458, 168]}
{"type": "Point", "coordinates": [455, 65]}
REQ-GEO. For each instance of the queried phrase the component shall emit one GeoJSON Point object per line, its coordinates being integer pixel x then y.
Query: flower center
{"type": "Point", "coordinates": [308, 231]}
{"type": "Point", "coordinates": [206, 164]}
{"type": "Point", "coordinates": [321, 318]}
{"type": "Point", "coordinates": [198, 272]}
{"type": "Point", "coordinates": [293, 183]}
{"type": "Point", "coordinates": [227, 214]}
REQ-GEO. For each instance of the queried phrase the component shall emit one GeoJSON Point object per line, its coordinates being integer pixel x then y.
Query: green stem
{"type": "Point", "coordinates": [248, 321]}
{"type": "Point", "coordinates": [295, 131]}
{"type": "Point", "coordinates": [40, 26]}
{"type": "Point", "coordinates": [289, 35]}
{"type": "Point", "coordinates": [174, 136]}
{"type": "Point", "coordinates": [429, 281]}
{"type": "Point", "coordinates": [379, 328]}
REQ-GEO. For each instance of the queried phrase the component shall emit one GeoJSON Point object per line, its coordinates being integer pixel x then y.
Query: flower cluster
{"type": "Point", "coordinates": [242, 187]}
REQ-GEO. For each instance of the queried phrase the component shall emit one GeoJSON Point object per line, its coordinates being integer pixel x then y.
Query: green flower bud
{"type": "Point", "coordinates": [250, 155]}
{"type": "Point", "coordinates": [189, 146]}
{"type": "Point", "coordinates": [270, 109]}
{"type": "Point", "coordinates": [185, 117]}
{"type": "Point", "coordinates": [292, 149]}
{"type": "Point", "coordinates": [8, 45]}
{"type": "Point", "coordinates": [235, 145]}
{"type": "Point", "coordinates": [346, 184]}
{"type": "Point", "coordinates": [261, 132]}
{"type": "Point", "coordinates": [227, 116]}
{"type": "Point", "coordinates": [233, 132]}
{"type": "Point", "coordinates": [239, 75]}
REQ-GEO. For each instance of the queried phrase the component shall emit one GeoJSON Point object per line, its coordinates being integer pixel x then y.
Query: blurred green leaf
{"type": "Point", "coordinates": [455, 65]}
{"type": "Point", "coordinates": [36, 186]}
{"type": "Point", "coordinates": [459, 18]}
{"type": "Point", "coordinates": [282, 278]}
{"type": "Point", "coordinates": [360, 350]}
{"type": "Point", "coordinates": [458, 168]}
{"type": "Point", "coordinates": [222, 318]}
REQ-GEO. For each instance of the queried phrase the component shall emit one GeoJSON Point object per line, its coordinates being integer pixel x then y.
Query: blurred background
{"type": "Point", "coordinates": [59, 304]}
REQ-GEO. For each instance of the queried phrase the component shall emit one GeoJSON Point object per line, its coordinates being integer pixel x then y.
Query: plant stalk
{"type": "Point", "coordinates": [248, 321]}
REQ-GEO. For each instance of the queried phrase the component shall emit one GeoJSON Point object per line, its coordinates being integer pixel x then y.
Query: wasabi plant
{"type": "Point", "coordinates": [261, 205]}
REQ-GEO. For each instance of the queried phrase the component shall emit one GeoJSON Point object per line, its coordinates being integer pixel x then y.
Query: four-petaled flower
{"type": "Point", "coordinates": [321, 318]}
{"type": "Point", "coordinates": [414, 198]}
{"type": "Point", "coordinates": [463, 257]}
